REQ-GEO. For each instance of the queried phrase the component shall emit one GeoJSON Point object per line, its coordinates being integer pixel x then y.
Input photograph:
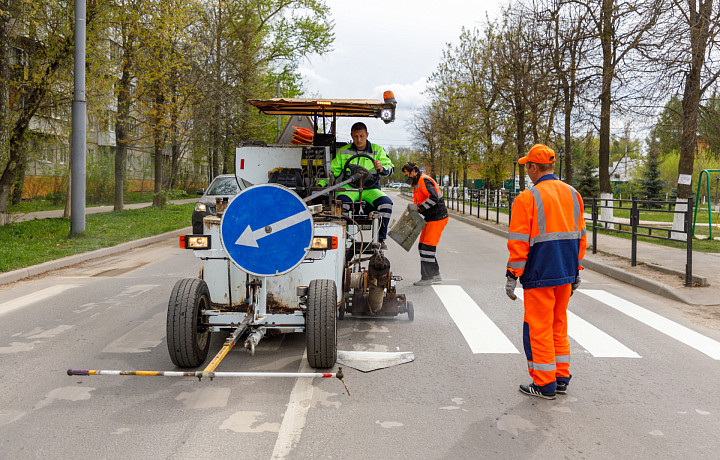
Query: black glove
{"type": "Point", "coordinates": [510, 287]}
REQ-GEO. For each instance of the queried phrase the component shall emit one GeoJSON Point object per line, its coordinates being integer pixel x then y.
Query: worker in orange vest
{"type": "Point", "coordinates": [546, 242]}
{"type": "Point", "coordinates": [429, 201]}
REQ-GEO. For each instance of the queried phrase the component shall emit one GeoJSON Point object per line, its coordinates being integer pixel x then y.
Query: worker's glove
{"type": "Point", "coordinates": [575, 284]}
{"type": "Point", "coordinates": [510, 287]}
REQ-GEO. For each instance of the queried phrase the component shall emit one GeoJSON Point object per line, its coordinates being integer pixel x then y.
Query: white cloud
{"type": "Point", "coordinates": [389, 45]}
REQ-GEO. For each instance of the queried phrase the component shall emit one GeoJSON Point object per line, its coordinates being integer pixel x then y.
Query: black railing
{"type": "Point", "coordinates": [633, 225]}
{"type": "Point", "coordinates": [463, 200]}
{"type": "Point", "coordinates": [457, 198]}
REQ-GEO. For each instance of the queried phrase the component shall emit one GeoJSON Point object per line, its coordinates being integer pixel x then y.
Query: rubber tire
{"type": "Point", "coordinates": [410, 310]}
{"type": "Point", "coordinates": [321, 324]}
{"type": "Point", "coordinates": [187, 344]}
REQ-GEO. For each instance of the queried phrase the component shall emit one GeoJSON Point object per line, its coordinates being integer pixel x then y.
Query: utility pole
{"type": "Point", "coordinates": [79, 111]}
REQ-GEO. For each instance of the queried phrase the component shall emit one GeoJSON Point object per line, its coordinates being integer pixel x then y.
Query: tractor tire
{"type": "Point", "coordinates": [188, 340]}
{"type": "Point", "coordinates": [321, 325]}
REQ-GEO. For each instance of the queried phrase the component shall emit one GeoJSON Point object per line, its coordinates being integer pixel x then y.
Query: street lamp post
{"type": "Point", "coordinates": [515, 163]}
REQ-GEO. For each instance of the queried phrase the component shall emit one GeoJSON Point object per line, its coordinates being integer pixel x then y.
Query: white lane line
{"type": "Point", "coordinates": [479, 331]}
{"type": "Point", "coordinates": [295, 414]}
{"type": "Point", "coordinates": [596, 342]}
{"type": "Point", "coordinates": [140, 339]}
{"type": "Point", "coordinates": [38, 296]}
{"type": "Point", "coordinates": [678, 332]}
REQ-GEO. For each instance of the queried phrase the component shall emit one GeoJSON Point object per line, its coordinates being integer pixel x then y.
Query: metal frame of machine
{"type": "Point", "coordinates": [340, 272]}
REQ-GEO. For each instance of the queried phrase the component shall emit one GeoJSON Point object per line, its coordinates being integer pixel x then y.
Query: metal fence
{"type": "Point", "coordinates": [491, 202]}
{"type": "Point", "coordinates": [484, 201]}
{"type": "Point", "coordinates": [633, 226]}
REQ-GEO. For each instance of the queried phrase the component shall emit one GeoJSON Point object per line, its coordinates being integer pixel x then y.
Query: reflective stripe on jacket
{"type": "Point", "coordinates": [547, 234]}
{"type": "Point", "coordinates": [429, 200]}
{"type": "Point", "coordinates": [376, 151]}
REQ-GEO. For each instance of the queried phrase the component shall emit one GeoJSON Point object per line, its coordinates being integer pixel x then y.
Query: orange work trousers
{"type": "Point", "coordinates": [545, 335]}
{"type": "Point", "coordinates": [430, 234]}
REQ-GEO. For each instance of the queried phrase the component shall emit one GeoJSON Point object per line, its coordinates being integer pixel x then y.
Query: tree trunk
{"type": "Point", "coordinates": [121, 127]}
{"type": "Point", "coordinates": [19, 187]}
{"type": "Point", "coordinates": [568, 138]}
{"type": "Point", "coordinates": [68, 193]}
{"type": "Point", "coordinates": [520, 134]}
{"type": "Point", "coordinates": [158, 145]}
{"type": "Point", "coordinates": [699, 25]}
{"type": "Point", "coordinates": [605, 97]}
{"type": "Point", "coordinates": [4, 71]}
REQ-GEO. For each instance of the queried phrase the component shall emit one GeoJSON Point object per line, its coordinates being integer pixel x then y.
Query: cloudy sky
{"type": "Point", "coordinates": [389, 45]}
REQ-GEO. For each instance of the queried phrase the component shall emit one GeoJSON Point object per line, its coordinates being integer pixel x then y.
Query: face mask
{"type": "Point", "coordinates": [409, 180]}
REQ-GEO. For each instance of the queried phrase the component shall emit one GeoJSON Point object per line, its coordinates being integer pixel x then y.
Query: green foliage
{"type": "Point", "coordinates": [33, 242]}
{"type": "Point", "coordinates": [399, 157]}
{"type": "Point", "coordinates": [651, 186]}
{"type": "Point", "coordinates": [100, 179]}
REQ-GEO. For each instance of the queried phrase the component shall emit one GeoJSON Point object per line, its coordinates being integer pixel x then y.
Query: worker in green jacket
{"type": "Point", "coordinates": [381, 162]}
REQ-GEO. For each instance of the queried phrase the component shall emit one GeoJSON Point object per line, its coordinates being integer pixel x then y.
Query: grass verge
{"type": "Point", "coordinates": [36, 241]}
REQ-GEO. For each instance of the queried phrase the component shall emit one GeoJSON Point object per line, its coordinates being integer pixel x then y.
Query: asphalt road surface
{"type": "Point", "coordinates": [645, 372]}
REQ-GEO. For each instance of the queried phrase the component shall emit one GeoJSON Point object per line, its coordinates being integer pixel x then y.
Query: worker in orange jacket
{"type": "Point", "coordinates": [546, 242]}
{"type": "Point", "coordinates": [430, 204]}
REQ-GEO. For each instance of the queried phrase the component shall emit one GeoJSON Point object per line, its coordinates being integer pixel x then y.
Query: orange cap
{"type": "Point", "coordinates": [539, 153]}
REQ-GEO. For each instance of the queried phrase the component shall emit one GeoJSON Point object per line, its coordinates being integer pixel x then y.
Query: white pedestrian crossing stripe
{"type": "Point", "coordinates": [685, 335]}
{"type": "Point", "coordinates": [479, 331]}
{"type": "Point", "coordinates": [483, 336]}
{"type": "Point", "coordinates": [592, 339]}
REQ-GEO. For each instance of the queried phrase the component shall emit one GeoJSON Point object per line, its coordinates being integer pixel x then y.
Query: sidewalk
{"type": "Point", "coordinates": [21, 217]}
{"type": "Point", "coordinates": [660, 269]}
{"type": "Point", "coordinates": [19, 274]}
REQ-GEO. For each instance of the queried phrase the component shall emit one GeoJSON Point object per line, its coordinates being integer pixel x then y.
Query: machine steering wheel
{"type": "Point", "coordinates": [370, 178]}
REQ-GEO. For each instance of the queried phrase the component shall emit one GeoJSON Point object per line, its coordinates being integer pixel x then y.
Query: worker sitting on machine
{"type": "Point", "coordinates": [361, 153]}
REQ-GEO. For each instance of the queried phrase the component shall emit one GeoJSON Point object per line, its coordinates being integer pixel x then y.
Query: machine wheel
{"type": "Point", "coordinates": [410, 310]}
{"type": "Point", "coordinates": [320, 324]}
{"type": "Point", "coordinates": [187, 340]}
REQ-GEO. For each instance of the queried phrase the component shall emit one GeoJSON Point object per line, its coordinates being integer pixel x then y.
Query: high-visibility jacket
{"type": "Point", "coordinates": [429, 200]}
{"type": "Point", "coordinates": [376, 151]}
{"type": "Point", "coordinates": [547, 237]}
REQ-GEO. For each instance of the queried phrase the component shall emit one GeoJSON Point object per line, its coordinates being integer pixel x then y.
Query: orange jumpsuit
{"type": "Point", "coordinates": [547, 241]}
{"type": "Point", "coordinates": [428, 198]}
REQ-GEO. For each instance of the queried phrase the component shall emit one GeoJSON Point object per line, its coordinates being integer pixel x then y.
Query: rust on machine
{"type": "Point", "coordinates": [338, 107]}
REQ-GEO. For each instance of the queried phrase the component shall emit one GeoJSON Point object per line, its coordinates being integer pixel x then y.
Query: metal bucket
{"type": "Point", "coordinates": [407, 228]}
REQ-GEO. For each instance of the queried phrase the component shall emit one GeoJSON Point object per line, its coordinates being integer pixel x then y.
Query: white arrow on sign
{"type": "Point", "coordinates": [250, 237]}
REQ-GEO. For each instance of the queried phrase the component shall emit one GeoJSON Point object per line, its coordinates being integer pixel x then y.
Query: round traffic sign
{"type": "Point", "coordinates": [266, 230]}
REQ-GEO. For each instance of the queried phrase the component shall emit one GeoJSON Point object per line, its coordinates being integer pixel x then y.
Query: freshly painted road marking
{"type": "Point", "coordinates": [142, 338]}
{"type": "Point", "coordinates": [596, 342]}
{"type": "Point", "coordinates": [479, 331]}
{"type": "Point", "coordinates": [678, 332]}
{"type": "Point", "coordinates": [38, 296]}
{"type": "Point", "coordinates": [295, 414]}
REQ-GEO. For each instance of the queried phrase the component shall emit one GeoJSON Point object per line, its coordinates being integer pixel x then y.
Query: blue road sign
{"type": "Point", "coordinates": [266, 230]}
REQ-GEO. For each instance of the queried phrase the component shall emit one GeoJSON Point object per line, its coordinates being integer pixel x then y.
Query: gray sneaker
{"type": "Point", "coordinates": [383, 245]}
{"type": "Point", "coordinates": [428, 281]}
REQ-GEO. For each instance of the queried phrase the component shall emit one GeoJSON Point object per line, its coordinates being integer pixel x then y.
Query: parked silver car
{"type": "Point", "coordinates": [223, 186]}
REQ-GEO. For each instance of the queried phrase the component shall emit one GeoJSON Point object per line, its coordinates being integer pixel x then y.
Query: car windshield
{"type": "Point", "coordinates": [223, 186]}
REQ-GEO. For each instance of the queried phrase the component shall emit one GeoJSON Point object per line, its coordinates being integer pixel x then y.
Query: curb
{"type": "Point", "coordinates": [616, 273]}
{"type": "Point", "coordinates": [34, 270]}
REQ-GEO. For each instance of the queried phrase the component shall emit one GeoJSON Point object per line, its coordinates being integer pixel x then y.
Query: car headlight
{"type": "Point", "coordinates": [200, 207]}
